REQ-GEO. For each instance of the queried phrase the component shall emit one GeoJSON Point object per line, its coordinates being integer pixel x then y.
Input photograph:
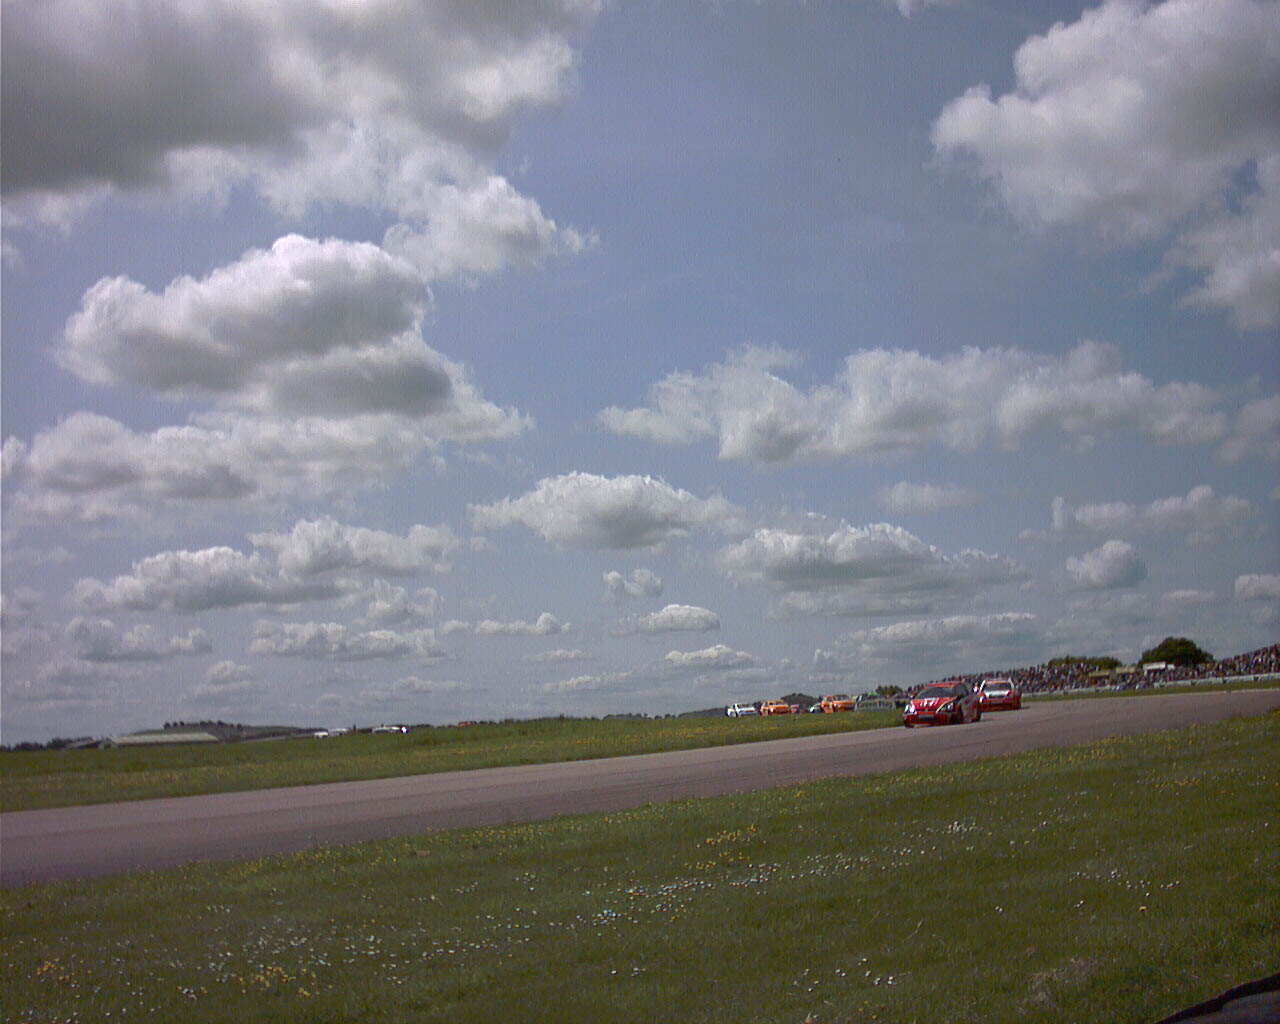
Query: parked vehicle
{"type": "Point", "coordinates": [943, 704]}
{"type": "Point", "coordinates": [834, 702]}
{"type": "Point", "coordinates": [739, 710]}
{"type": "Point", "coordinates": [775, 707]}
{"type": "Point", "coordinates": [999, 695]}
{"type": "Point", "coordinates": [390, 728]}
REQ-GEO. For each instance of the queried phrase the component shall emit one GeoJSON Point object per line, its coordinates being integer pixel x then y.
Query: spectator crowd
{"type": "Point", "coordinates": [1084, 673]}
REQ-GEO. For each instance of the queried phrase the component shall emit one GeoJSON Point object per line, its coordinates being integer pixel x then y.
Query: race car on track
{"type": "Point", "coordinates": [740, 710]}
{"type": "Point", "coordinates": [999, 695]}
{"type": "Point", "coordinates": [834, 702]}
{"type": "Point", "coordinates": [775, 707]}
{"type": "Point", "coordinates": [943, 704]}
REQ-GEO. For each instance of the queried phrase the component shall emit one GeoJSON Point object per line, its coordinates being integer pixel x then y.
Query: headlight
{"type": "Point", "coordinates": [950, 705]}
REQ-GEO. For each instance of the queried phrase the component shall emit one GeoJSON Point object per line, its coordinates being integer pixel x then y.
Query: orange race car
{"type": "Point", "coordinates": [775, 707]}
{"type": "Point", "coordinates": [833, 702]}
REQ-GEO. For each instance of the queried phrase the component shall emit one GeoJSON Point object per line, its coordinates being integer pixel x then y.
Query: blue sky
{"type": "Point", "coordinates": [424, 362]}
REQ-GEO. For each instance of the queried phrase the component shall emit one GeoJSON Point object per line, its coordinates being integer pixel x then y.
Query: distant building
{"type": "Point", "coordinates": [155, 739]}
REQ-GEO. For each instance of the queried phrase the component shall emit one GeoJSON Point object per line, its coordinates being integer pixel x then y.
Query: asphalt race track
{"type": "Point", "coordinates": [104, 839]}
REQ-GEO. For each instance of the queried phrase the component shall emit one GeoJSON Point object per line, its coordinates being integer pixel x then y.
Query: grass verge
{"type": "Point", "coordinates": [60, 778]}
{"type": "Point", "coordinates": [1113, 882]}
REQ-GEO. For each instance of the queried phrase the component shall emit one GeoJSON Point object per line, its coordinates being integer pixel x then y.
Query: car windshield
{"type": "Point", "coordinates": [838, 696]}
{"type": "Point", "coordinates": [997, 688]}
{"type": "Point", "coordinates": [940, 691]}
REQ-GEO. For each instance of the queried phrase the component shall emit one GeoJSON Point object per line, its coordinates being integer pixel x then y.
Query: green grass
{"type": "Point", "coordinates": [1114, 882]}
{"type": "Point", "coordinates": [59, 778]}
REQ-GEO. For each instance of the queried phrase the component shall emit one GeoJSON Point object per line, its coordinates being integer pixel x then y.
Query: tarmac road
{"type": "Point", "coordinates": [104, 839]}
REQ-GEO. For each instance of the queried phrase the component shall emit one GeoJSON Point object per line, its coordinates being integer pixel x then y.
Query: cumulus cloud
{"type": "Point", "coordinates": [197, 581]}
{"type": "Point", "coordinates": [1139, 120]}
{"type": "Point", "coordinates": [888, 403]}
{"type": "Point", "coordinates": [1115, 564]}
{"type": "Point", "coordinates": [546, 625]}
{"type": "Point", "coordinates": [588, 511]}
{"type": "Point", "coordinates": [101, 641]}
{"type": "Point", "coordinates": [324, 545]}
{"type": "Point", "coordinates": [909, 7]}
{"type": "Point", "coordinates": [391, 107]}
{"type": "Point", "coordinates": [92, 468]}
{"type": "Point", "coordinates": [974, 640]}
{"type": "Point", "coordinates": [1201, 513]}
{"type": "Point", "coordinates": [310, 358]}
{"type": "Point", "coordinates": [674, 618]}
{"type": "Point", "coordinates": [225, 680]}
{"type": "Point", "coordinates": [69, 683]}
{"type": "Point", "coordinates": [1256, 432]}
{"type": "Point", "coordinates": [861, 570]}
{"type": "Point", "coordinates": [1258, 587]}
{"type": "Point", "coordinates": [643, 583]}
{"type": "Point", "coordinates": [558, 656]}
{"type": "Point", "coordinates": [908, 499]}
{"type": "Point", "coordinates": [390, 605]}
{"type": "Point", "coordinates": [717, 657]}
{"type": "Point", "coordinates": [333, 641]}
{"type": "Point", "coordinates": [586, 683]}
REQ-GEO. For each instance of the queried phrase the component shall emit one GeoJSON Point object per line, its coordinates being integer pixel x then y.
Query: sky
{"type": "Point", "coordinates": [401, 361]}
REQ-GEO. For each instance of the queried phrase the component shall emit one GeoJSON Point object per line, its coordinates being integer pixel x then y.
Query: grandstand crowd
{"type": "Point", "coordinates": [1082, 674]}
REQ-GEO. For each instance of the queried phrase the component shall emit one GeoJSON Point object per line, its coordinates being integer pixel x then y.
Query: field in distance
{"type": "Point", "coordinates": [1113, 882]}
{"type": "Point", "coordinates": [61, 778]}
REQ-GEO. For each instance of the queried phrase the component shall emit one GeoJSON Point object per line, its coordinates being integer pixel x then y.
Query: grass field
{"type": "Point", "coordinates": [1114, 882]}
{"type": "Point", "coordinates": [59, 778]}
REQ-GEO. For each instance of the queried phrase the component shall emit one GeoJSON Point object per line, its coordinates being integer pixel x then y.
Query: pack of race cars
{"type": "Point", "coordinates": [949, 703]}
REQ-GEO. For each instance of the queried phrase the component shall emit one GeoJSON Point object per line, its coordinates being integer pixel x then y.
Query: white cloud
{"type": "Point", "coordinates": [1190, 597]}
{"type": "Point", "coordinates": [909, 7]}
{"type": "Point", "coordinates": [249, 329]}
{"type": "Point", "coordinates": [890, 403]}
{"type": "Point", "coordinates": [92, 468]}
{"type": "Point", "coordinates": [957, 641]}
{"type": "Point", "coordinates": [558, 656]}
{"type": "Point", "coordinates": [674, 618]}
{"type": "Point", "coordinates": [717, 657]}
{"type": "Point", "coordinates": [1201, 513]}
{"type": "Point", "coordinates": [65, 684]}
{"type": "Point", "coordinates": [875, 569]}
{"type": "Point", "coordinates": [1258, 587]}
{"type": "Point", "coordinates": [392, 107]}
{"type": "Point", "coordinates": [393, 606]}
{"type": "Point", "coordinates": [1256, 432]}
{"type": "Point", "coordinates": [99, 640]}
{"type": "Point", "coordinates": [908, 499]}
{"type": "Point", "coordinates": [1137, 120]}
{"type": "Point", "coordinates": [195, 581]}
{"type": "Point", "coordinates": [310, 358]}
{"type": "Point", "coordinates": [585, 683]}
{"type": "Point", "coordinates": [226, 680]}
{"type": "Point", "coordinates": [546, 625]}
{"type": "Point", "coordinates": [1115, 564]}
{"type": "Point", "coordinates": [585, 510]}
{"type": "Point", "coordinates": [643, 583]}
{"type": "Point", "coordinates": [331, 640]}
{"type": "Point", "coordinates": [324, 545]}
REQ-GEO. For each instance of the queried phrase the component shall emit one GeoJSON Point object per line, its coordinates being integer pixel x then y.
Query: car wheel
{"type": "Point", "coordinates": [977, 715]}
{"type": "Point", "coordinates": [907, 725]}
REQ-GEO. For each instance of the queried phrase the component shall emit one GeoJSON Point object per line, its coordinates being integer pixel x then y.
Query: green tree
{"type": "Point", "coordinates": [1176, 650]}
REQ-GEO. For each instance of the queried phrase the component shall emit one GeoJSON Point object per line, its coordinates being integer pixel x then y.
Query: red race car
{"type": "Point", "coordinates": [999, 695]}
{"type": "Point", "coordinates": [942, 704]}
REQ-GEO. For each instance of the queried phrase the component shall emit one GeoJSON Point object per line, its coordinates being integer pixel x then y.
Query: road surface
{"type": "Point", "coordinates": [103, 839]}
